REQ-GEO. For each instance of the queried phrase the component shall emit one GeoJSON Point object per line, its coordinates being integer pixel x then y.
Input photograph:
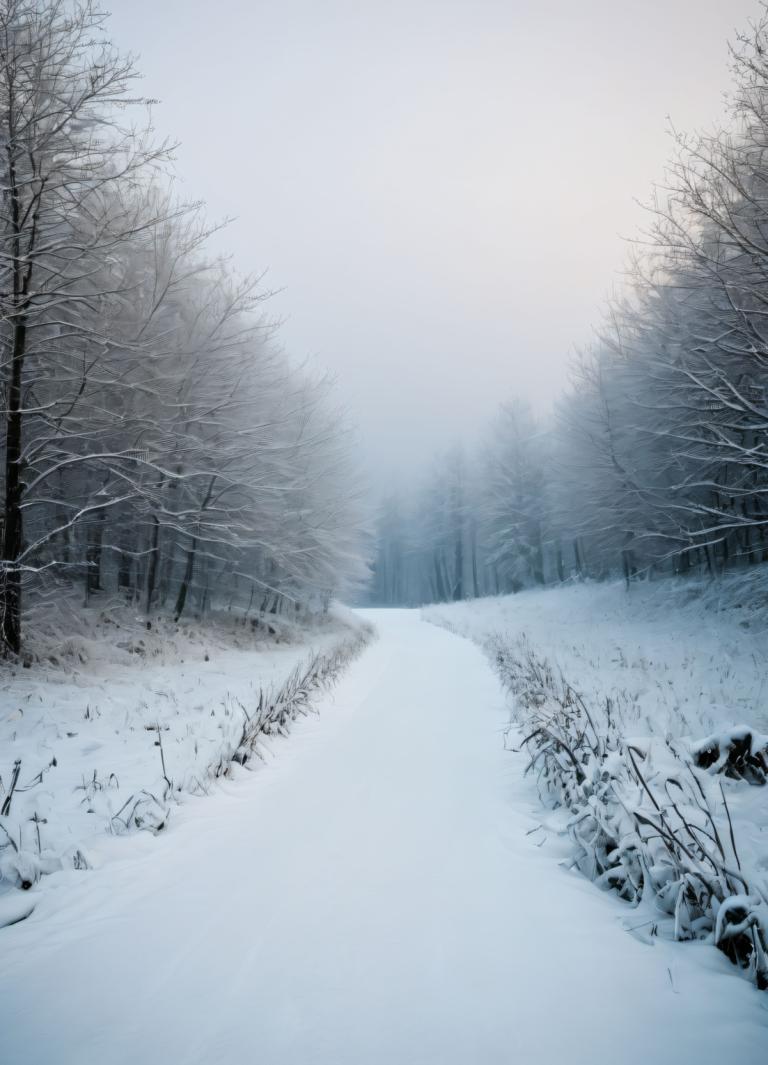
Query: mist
{"type": "Point", "coordinates": [430, 186]}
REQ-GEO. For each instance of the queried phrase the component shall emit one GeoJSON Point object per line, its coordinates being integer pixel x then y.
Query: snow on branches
{"type": "Point", "coordinates": [154, 438]}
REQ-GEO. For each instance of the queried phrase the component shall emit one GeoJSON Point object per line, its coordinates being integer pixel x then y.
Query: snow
{"type": "Point", "coordinates": [373, 894]}
{"type": "Point", "coordinates": [678, 657]}
{"type": "Point", "coordinates": [92, 704]}
{"type": "Point", "coordinates": [654, 670]}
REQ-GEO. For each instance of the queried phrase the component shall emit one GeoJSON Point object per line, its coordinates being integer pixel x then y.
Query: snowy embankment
{"type": "Point", "coordinates": [643, 718]}
{"type": "Point", "coordinates": [112, 726]}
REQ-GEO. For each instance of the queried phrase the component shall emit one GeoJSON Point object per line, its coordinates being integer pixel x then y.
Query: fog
{"type": "Point", "coordinates": [439, 191]}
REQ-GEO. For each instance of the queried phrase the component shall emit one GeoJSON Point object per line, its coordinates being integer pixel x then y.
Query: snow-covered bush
{"type": "Point", "coordinates": [648, 816]}
{"type": "Point", "coordinates": [276, 710]}
{"type": "Point", "coordinates": [740, 753]}
{"type": "Point", "coordinates": [162, 750]}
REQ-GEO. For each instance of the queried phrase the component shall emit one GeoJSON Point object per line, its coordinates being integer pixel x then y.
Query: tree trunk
{"type": "Point", "coordinates": [125, 564]}
{"type": "Point", "coordinates": [473, 548]}
{"type": "Point", "coordinates": [65, 536]}
{"type": "Point", "coordinates": [13, 533]}
{"type": "Point", "coordinates": [577, 558]}
{"type": "Point", "coordinates": [538, 556]}
{"type": "Point", "coordinates": [627, 561]}
{"type": "Point", "coordinates": [10, 591]}
{"type": "Point", "coordinates": [181, 599]}
{"type": "Point", "coordinates": [458, 566]}
{"type": "Point", "coordinates": [441, 590]}
{"type": "Point", "coordinates": [93, 554]}
{"type": "Point", "coordinates": [250, 603]}
{"type": "Point", "coordinates": [152, 568]}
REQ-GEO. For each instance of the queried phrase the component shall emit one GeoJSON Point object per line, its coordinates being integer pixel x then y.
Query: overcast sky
{"type": "Point", "coordinates": [438, 187]}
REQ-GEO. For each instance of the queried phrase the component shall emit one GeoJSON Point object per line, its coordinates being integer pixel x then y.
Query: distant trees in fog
{"type": "Point", "coordinates": [154, 439]}
{"type": "Point", "coordinates": [656, 460]}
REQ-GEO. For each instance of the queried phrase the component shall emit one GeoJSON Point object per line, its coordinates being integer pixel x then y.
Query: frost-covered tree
{"type": "Point", "coordinates": [514, 497]}
{"type": "Point", "coordinates": [155, 440]}
{"type": "Point", "coordinates": [66, 147]}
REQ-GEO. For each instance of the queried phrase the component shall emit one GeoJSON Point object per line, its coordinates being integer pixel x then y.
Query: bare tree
{"type": "Point", "coordinates": [64, 93]}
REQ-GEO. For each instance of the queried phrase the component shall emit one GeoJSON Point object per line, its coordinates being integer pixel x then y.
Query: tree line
{"type": "Point", "coordinates": [655, 460]}
{"type": "Point", "coordinates": [155, 441]}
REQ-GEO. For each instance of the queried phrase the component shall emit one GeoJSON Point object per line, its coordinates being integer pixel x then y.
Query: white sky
{"type": "Point", "coordinates": [438, 187]}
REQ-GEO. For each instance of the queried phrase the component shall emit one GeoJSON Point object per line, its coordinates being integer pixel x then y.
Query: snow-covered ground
{"type": "Point", "coordinates": [370, 896]}
{"type": "Point", "coordinates": [678, 657]}
{"type": "Point", "coordinates": [87, 717]}
{"type": "Point", "coordinates": [614, 695]}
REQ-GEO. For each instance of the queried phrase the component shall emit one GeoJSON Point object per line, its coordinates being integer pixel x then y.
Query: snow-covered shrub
{"type": "Point", "coordinates": [162, 749]}
{"type": "Point", "coordinates": [23, 854]}
{"type": "Point", "coordinates": [739, 753]}
{"type": "Point", "coordinates": [145, 811]}
{"type": "Point", "coordinates": [647, 817]}
{"type": "Point", "coordinates": [275, 710]}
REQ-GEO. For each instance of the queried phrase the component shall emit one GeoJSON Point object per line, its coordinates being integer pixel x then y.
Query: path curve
{"type": "Point", "coordinates": [368, 897]}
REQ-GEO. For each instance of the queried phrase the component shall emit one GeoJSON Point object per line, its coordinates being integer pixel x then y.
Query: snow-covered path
{"type": "Point", "coordinates": [368, 897]}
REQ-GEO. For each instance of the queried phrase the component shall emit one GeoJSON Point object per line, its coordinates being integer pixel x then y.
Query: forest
{"type": "Point", "coordinates": [156, 441]}
{"type": "Point", "coordinates": [654, 461]}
